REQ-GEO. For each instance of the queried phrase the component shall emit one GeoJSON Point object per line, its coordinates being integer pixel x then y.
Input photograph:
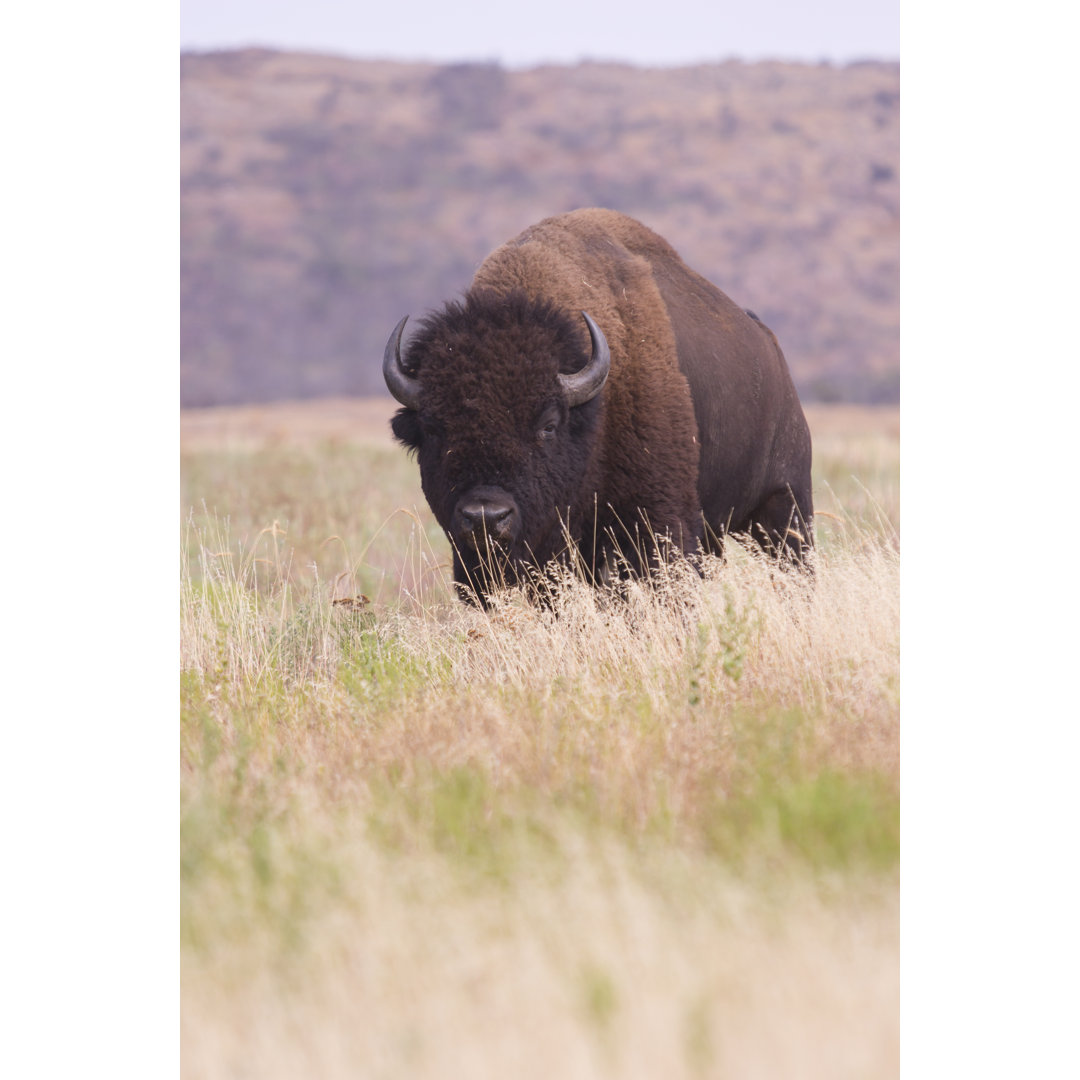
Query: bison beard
{"type": "Point", "coordinates": [595, 401]}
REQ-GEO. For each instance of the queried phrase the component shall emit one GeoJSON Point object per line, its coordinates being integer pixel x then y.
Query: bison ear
{"type": "Point", "coordinates": [406, 428]}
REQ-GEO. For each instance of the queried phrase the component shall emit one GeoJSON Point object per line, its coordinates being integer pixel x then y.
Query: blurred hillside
{"type": "Point", "coordinates": [322, 198]}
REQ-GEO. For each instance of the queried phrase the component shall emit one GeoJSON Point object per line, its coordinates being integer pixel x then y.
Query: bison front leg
{"type": "Point", "coordinates": [782, 526]}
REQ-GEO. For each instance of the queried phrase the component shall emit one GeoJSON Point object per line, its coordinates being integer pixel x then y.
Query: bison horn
{"type": "Point", "coordinates": [585, 384]}
{"type": "Point", "coordinates": [404, 387]}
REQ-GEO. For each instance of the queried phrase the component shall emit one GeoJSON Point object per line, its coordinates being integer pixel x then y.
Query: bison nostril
{"type": "Point", "coordinates": [496, 515]}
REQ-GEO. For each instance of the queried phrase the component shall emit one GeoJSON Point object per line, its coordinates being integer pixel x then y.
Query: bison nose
{"type": "Point", "coordinates": [492, 516]}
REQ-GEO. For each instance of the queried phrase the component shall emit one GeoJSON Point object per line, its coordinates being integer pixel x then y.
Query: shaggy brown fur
{"type": "Point", "coordinates": [697, 432]}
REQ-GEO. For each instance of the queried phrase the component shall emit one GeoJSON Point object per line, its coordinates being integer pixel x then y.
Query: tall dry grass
{"type": "Point", "coordinates": [616, 964]}
{"type": "Point", "coordinates": [649, 834]}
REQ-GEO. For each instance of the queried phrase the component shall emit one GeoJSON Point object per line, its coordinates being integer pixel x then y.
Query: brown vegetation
{"type": "Point", "coordinates": [323, 197]}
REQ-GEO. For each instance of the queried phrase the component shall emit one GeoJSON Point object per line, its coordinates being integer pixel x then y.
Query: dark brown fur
{"type": "Point", "coordinates": [698, 431]}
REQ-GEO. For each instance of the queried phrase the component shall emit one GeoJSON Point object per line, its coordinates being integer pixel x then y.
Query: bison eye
{"type": "Point", "coordinates": [549, 424]}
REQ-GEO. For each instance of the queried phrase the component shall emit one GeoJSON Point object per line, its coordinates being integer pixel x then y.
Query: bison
{"type": "Point", "coordinates": [594, 400]}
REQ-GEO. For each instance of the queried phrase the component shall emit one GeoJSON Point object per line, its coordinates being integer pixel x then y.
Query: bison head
{"type": "Point", "coordinates": [501, 401]}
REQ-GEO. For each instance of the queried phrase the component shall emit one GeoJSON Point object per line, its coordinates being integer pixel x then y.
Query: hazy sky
{"type": "Point", "coordinates": [561, 31]}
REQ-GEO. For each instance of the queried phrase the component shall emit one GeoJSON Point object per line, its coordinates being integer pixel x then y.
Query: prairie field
{"type": "Point", "coordinates": [647, 835]}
